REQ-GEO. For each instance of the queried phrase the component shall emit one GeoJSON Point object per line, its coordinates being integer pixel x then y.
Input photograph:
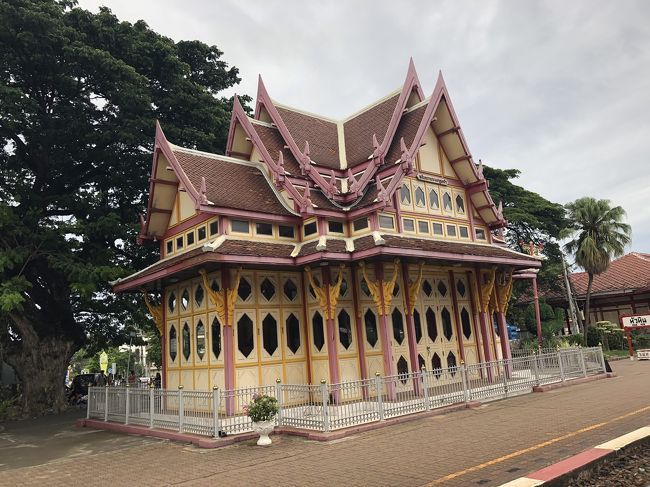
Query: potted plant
{"type": "Point", "coordinates": [262, 411]}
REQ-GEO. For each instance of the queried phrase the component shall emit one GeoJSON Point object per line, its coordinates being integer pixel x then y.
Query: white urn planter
{"type": "Point", "coordinates": [264, 428]}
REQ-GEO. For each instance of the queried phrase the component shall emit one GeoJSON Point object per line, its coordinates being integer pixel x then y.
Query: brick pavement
{"type": "Point", "coordinates": [459, 449]}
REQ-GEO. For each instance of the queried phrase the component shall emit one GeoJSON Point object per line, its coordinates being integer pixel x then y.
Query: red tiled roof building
{"type": "Point", "coordinates": [623, 289]}
{"type": "Point", "coordinates": [326, 249]}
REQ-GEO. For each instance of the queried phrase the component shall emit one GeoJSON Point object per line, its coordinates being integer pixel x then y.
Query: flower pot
{"type": "Point", "coordinates": [264, 428]}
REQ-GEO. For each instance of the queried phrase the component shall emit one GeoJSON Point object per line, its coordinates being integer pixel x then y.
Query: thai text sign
{"type": "Point", "coordinates": [637, 321]}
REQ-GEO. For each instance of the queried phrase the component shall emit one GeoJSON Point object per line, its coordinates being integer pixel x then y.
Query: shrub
{"type": "Point", "coordinates": [262, 408]}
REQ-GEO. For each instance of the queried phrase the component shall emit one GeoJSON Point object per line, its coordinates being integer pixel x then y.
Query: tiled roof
{"type": "Point", "coordinates": [452, 247]}
{"type": "Point", "coordinates": [274, 143]}
{"type": "Point", "coordinates": [407, 128]}
{"type": "Point", "coordinates": [230, 184]}
{"type": "Point", "coordinates": [321, 134]}
{"type": "Point", "coordinates": [632, 271]}
{"type": "Point", "coordinates": [360, 129]}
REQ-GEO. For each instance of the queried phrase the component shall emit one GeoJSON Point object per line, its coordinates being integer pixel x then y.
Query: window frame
{"type": "Point", "coordinates": [264, 235]}
{"type": "Point", "coordinates": [214, 221]}
{"type": "Point", "coordinates": [169, 246]}
{"type": "Point", "coordinates": [385, 215]}
{"type": "Point", "coordinates": [420, 231]}
{"type": "Point", "coordinates": [187, 240]}
{"type": "Point", "coordinates": [232, 229]}
{"type": "Point", "coordinates": [306, 223]}
{"type": "Point", "coordinates": [451, 225]}
{"type": "Point", "coordinates": [404, 219]}
{"type": "Point", "coordinates": [340, 222]}
{"type": "Point", "coordinates": [198, 230]}
{"type": "Point", "coordinates": [466, 228]}
{"type": "Point", "coordinates": [293, 232]}
{"type": "Point", "coordinates": [442, 229]}
{"type": "Point", "coordinates": [364, 228]}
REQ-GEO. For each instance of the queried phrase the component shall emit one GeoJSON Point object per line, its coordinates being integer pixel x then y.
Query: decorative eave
{"type": "Point", "coordinates": [377, 158]}
{"type": "Point", "coordinates": [303, 201]}
{"type": "Point", "coordinates": [324, 249]}
{"type": "Point", "coordinates": [328, 187]}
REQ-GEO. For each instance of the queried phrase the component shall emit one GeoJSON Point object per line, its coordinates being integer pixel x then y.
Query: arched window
{"type": "Point", "coordinates": [173, 343]}
{"type": "Point", "coordinates": [432, 327]}
{"type": "Point", "coordinates": [318, 332]}
{"type": "Point", "coordinates": [467, 325]}
{"type": "Point", "coordinates": [216, 337]}
{"type": "Point", "coordinates": [370, 322]}
{"type": "Point", "coordinates": [187, 344]}
{"type": "Point", "coordinates": [398, 326]}
{"type": "Point", "coordinates": [200, 339]}
{"type": "Point", "coordinates": [447, 328]}
{"type": "Point", "coordinates": [293, 333]}
{"type": "Point", "coordinates": [245, 335]}
{"type": "Point", "coordinates": [270, 334]}
{"type": "Point", "coordinates": [171, 302]}
{"type": "Point", "coordinates": [345, 329]}
{"type": "Point", "coordinates": [460, 204]}
{"type": "Point", "coordinates": [446, 202]}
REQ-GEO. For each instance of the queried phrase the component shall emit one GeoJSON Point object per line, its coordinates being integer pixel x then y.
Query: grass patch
{"type": "Point", "coordinates": [616, 353]}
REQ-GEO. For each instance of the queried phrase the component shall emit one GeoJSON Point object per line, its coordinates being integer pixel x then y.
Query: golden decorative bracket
{"type": "Point", "coordinates": [322, 292]}
{"type": "Point", "coordinates": [414, 289]}
{"type": "Point", "coordinates": [504, 289]}
{"type": "Point", "coordinates": [224, 298]}
{"type": "Point", "coordinates": [154, 310]}
{"type": "Point", "coordinates": [487, 286]}
{"type": "Point", "coordinates": [387, 288]}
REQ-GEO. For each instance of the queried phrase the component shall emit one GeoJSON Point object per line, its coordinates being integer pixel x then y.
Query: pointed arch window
{"type": "Point", "coordinates": [420, 199]}
{"type": "Point", "coordinates": [293, 333]}
{"type": "Point", "coordinates": [200, 339]}
{"type": "Point", "coordinates": [460, 204]}
{"type": "Point", "coordinates": [446, 202]}
{"type": "Point", "coordinates": [434, 200]}
{"type": "Point", "coordinates": [318, 332]}
{"type": "Point", "coordinates": [187, 344]}
{"type": "Point", "coordinates": [216, 337]}
{"type": "Point", "coordinates": [245, 335]}
{"type": "Point", "coordinates": [405, 195]}
{"type": "Point", "coordinates": [370, 322]}
{"type": "Point", "coordinates": [467, 325]}
{"type": "Point", "coordinates": [345, 329]}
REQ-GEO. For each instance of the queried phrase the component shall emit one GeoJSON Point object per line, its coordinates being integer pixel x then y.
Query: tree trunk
{"type": "Point", "coordinates": [586, 325]}
{"type": "Point", "coordinates": [41, 365]}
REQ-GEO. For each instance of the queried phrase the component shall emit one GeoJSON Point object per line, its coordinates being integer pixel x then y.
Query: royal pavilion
{"type": "Point", "coordinates": [326, 249]}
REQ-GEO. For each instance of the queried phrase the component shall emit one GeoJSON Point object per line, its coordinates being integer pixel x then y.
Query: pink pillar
{"type": "Point", "coordinates": [383, 323]}
{"type": "Point", "coordinates": [358, 318]}
{"type": "Point", "coordinates": [332, 351]}
{"type": "Point", "coordinates": [475, 318]}
{"type": "Point", "coordinates": [228, 346]}
{"type": "Point", "coordinates": [410, 326]}
{"type": "Point", "coordinates": [484, 320]}
{"type": "Point", "coordinates": [538, 319]}
{"type": "Point", "coordinates": [454, 299]}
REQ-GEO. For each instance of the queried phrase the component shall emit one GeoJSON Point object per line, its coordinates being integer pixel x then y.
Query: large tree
{"type": "Point", "coordinates": [599, 235]}
{"type": "Point", "coordinates": [531, 218]}
{"type": "Point", "coordinates": [79, 95]}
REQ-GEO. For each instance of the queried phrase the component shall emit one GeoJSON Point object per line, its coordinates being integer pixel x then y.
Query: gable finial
{"type": "Point", "coordinates": [204, 191]}
{"type": "Point", "coordinates": [480, 168]}
{"type": "Point", "coordinates": [332, 186]}
{"type": "Point", "coordinates": [382, 194]}
{"type": "Point", "coordinates": [279, 174]}
{"type": "Point", "coordinates": [305, 160]}
{"type": "Point", "coordinates": [353, 184]}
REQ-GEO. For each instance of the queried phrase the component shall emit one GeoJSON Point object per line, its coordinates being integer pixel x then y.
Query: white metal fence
{"type": "Point", "coordinates": [326, 407]}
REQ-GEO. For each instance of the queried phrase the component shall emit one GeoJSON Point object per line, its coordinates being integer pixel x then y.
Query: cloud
{"type": "Point", "coordinates": [559, 90]}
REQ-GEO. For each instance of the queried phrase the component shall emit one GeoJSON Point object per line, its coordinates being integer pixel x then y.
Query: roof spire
{"type": "Point", "coordinates": [332, 186]}
{"type": "Point", "coordinates": [305, 160]}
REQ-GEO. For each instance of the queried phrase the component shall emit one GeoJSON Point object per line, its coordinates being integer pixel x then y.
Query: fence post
{"type": "Point", "coordinates": [152, 405]}
{"type": "Point", "coordinates": [582, 362]}
{"type": "Point", "coordinates": [127, 405]}
{"type": "Point", "coordinates": [380, 401]}
{"type": "Point", "coordinates": [106, 403]}
{"type": "Point", "coordinates": [505, 378]}
{"type": "Point", "coordinates": [215, 411]}
{"type": "Point", "coordinates": [88, 403]}
{"type": "Point", "coordinates": [181, 411]}
{"type": "Point", "coordinates": [425, 388]}
{"type": "Point", "coordinates": [535, 369]}
{"type": "Point", "coordinates": [278, 397]}
{"type": "Point", "coordinates": [559, 361]}
{"type": "Point", "coordinates": [602, 359]}
{"type": "Point", "coordinates": [463, 375]}
{"type": "Point", "coordinates": [325, 402]}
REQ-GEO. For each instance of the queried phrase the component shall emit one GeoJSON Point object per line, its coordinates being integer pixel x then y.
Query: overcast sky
{"type": "Point", "coordinates": [557, 89]}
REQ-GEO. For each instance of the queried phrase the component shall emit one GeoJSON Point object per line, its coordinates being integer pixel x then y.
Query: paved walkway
{"type": "Point", "coordinates": [487, 446]}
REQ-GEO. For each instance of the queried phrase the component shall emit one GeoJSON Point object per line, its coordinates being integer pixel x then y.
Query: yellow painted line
{"type": "Point", "coordinates": [533, 448]}
{"type": "Point", "coordinates": [621, 441]}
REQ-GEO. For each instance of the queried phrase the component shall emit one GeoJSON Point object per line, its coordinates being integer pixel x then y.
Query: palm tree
{"type": "Point", "coordinates": [599, 235]}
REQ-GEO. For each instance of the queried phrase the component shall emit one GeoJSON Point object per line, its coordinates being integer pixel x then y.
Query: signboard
{"type": "Point", "coordinates": [103, 361]}
{"type": "Point", "coordinates": [432, 179]}
{"type": "Point", "coordinates": [636, 321]}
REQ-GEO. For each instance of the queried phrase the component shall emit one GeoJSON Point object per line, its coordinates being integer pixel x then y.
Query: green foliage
{"type": "Point", "coordinates": [598, 235]}
{"type": "Point", "coordinates": [80, 95]}
{"type": "Point", "coordinates": [154, 349]}
{"type": "Point", "coordinates": [262, 408]}
{"type": "Point", "coordinates": [552, 320]}
{"type": "Point", "coordinates": [531, 218]}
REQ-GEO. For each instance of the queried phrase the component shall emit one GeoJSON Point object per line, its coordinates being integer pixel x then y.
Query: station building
{"type": "Point", "coordinates": [326, 249]}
